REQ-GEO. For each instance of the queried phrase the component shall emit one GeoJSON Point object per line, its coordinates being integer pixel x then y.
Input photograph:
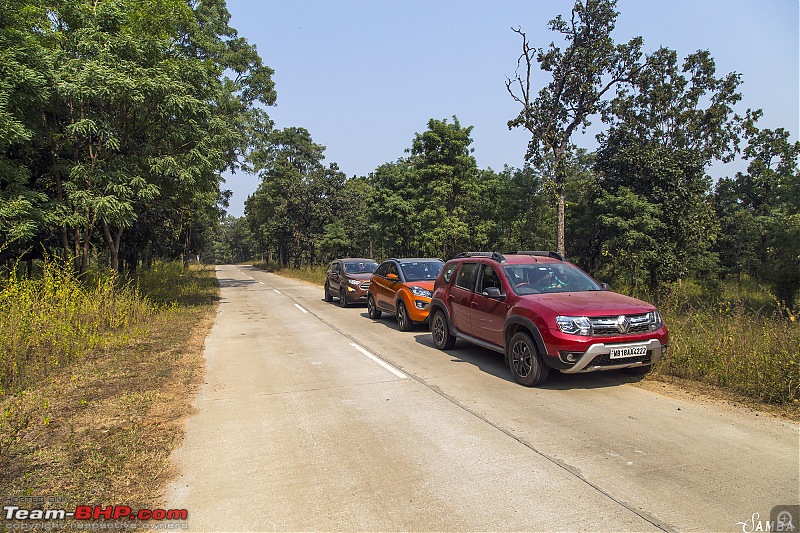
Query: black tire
{"type": "Point", "coordinates": [526, 364]}
{"type": "Point", "coordinates": [638, 370]}
{"type": "Point", "coordinates": [328, 297]}
{"type": "Point", "coordinates": [442, 338]}
{"type": "Point", "coordinates": [403, 320]}
{"type": "Point", "coordinates": [372, 310]}
{"type": "Point", "coordinates": [342, 298]}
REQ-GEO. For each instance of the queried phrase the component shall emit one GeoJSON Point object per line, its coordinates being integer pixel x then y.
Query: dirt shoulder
{"type": "Point", "coordinates": [696, 391]}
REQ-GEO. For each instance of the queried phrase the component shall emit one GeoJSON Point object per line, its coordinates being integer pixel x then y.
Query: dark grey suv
{"type": "Point", "coordinates": [348, 280]}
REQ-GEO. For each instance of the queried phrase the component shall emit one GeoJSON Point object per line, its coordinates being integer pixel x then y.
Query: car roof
{"type": "Point", "coordinates": [416, 259]}
{"type": "Point", "coordinates": [509, 258]}
{"type": "Point", "coordinates": [357, 260]}
{"type": "Point", "coordinates": [529, 259]}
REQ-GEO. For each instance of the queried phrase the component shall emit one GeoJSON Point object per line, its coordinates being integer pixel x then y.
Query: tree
{"type": "Point", "coordinates": [449, 189]}
{"type": "Point", "coordinates": [391, 209]}
{"type": "Point", "coordinates": [134, 106]}
{"type": "Point", "coordinates": [583, 73]}
{"type": "Point", "coordinates": [26, 64]}
{"type": "Point", "coordinates": [666, 129]}
{"type": "Point", "coordinates": [296, 197]}
{"type": "Point", "coordinates": [760, 209]}
{"type": "Point", "coordinates": [521, 211]}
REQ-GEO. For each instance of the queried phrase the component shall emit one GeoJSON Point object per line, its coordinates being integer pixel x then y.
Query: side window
{"type": "Point", "coordinates": [393, 270]}
{"type": "Point", "coordinates": [448, 272]}
{"type": "Point", "coordinates": [466, 276]}
{"type": "Point", "coordinates": [336, 268]}
{"type": "Point", "coordinates": [489, 278]}
{"type": "Point", "coordinates": [382, 270]}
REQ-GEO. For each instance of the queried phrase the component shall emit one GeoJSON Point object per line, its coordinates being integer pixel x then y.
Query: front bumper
{"type": "Point", "coordinates": [357, 293]}
{"type": "Point", "coordinates": [419, 309]}
{"type": "Point", "coordinates": [597, 357]}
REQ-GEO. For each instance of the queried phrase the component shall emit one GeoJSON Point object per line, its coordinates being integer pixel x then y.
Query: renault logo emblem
{"type": "Point", "coordinates": [623, 324]}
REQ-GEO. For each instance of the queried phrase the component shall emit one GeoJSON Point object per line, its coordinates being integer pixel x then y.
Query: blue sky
{"type": "Point", "coordinates": [364, 76]}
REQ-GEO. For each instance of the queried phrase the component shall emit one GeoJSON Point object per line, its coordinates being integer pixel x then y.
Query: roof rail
{"type": "Point", "coordinates": [540, 253]}
{"type": "Point", "coordinates": [493, 255]}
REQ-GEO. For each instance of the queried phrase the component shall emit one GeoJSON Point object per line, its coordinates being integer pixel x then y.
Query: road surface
{"type": "Point", "coordinates": [314, 417]}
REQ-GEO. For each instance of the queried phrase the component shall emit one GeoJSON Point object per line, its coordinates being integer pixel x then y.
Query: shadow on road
{"type": "Point", "coordinates": [227, 283]}
{"type": "Point", "coordinates": [493, 363]}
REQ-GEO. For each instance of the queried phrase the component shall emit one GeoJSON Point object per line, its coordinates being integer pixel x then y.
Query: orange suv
{"type": "Point", "coordinates": [403, 288]}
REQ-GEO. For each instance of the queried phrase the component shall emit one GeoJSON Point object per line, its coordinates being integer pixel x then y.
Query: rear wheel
{"type": "Point", "coordinates": [442, 338]}
{"type": "Point", "coordinates": [372, 311]}
{"type": "Point", "coordinates": [328, 297]}
{"type": "Point", "coordinates": [403, 321]}
{"type": "Point", "coordinates": [526, 364]}
{"type": "Point", "coordinates": [342, 298]}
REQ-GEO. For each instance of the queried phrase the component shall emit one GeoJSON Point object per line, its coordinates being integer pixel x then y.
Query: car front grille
{"type": "Point", "coordinates": [608, 326]}
{"type": "Point", "coordinates": [365, 286]}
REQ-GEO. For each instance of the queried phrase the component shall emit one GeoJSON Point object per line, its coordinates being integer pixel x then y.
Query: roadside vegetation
{"type": "Point", "coordinates": [98, 375]}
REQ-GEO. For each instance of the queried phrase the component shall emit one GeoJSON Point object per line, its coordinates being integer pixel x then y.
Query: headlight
{"type": "Point", "coordinates": [656, 321]}
{"type": "Point", "coordinates": [419, 291]}
{"type": "Point", "coordinates": [354, 282]}
{"type": "Point", "coordinates": [574, 325]}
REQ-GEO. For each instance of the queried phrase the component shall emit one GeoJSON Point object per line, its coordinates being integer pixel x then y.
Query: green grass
{"type": "Point", "coordinates": [100, 426]}
{"type": "Point", "coordinates": [53, 320]}
{"type": "Point", "coordinates": [737, 337]}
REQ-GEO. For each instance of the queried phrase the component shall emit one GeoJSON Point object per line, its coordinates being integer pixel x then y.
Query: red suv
{"type": "Point", "coordinates": [543, 312]}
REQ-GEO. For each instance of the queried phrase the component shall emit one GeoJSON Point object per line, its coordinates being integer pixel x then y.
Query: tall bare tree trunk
{"type": "Point", "coordinates": [560, 218]}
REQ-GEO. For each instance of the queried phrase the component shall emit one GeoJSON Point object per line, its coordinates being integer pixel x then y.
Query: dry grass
{"type": "Point", "coordinates": [101, 429]}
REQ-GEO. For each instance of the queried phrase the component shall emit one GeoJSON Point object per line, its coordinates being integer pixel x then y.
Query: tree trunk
{"type": "Point", "coordinates": [113, 244]}
{"type": "Point", "coordinates": [560, 218]}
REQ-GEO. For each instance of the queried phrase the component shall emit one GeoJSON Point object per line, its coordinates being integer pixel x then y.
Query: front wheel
{"type": "Point", "coordinates": [526, 364]}
{"type": "Point", "coordinates": [328, 297]}
{"type": "Point", "coordinates": [342, 298]}
{"type": "Point", "coordinates": [403, 321]}
{"type": "Point", "coordinates": [372, 311]}
{"type": "Point", "coordinates": [442, 338]}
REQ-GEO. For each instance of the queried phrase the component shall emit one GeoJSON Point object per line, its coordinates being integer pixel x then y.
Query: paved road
{"type": "Point", "coordinates": [318, 418]}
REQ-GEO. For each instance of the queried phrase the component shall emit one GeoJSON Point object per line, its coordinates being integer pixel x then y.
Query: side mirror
{"type": "Point", "coordinates": [494, 293]}
{"type": "Point", "coordinates": [606, 286]}
{"type": "Point", "coordinates": [392, 276]}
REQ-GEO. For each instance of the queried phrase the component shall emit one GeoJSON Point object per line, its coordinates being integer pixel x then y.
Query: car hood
{"type": "Point", "coordinates": [426, 284]}
{"type": "Point", "coordinates": [591, 303]}
{"type": "Point", "coordinates": [361, 277]}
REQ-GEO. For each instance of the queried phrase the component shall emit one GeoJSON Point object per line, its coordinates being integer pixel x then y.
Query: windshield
{"type": "Point", "coordinates": [548, 277]}
{"type": "Point", "coordinates": [421, 270]}
{"type": "Point", "coordinates": [361, 267]}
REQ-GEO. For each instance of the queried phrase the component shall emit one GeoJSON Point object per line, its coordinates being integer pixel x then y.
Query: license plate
{"type": "Point", "coordinates": [627, 351]}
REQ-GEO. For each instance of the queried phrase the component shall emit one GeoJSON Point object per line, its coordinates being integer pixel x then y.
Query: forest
{"type": "Point", "coordinates": [119, 119]}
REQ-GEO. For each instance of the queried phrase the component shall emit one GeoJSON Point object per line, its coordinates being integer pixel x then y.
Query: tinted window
{"type": "Point", "coordinates": [448, 271]}
{"type": "Point", "coordinates": [421, 270]}
{"type": "Point", "coordinates": [548, 277]}
{"type": "Point", "coordinates": [393, 270]}
{"type": "Point", "coordinates": [360, 267]}
{"type": "Point", "coordinates": [489, 278]}
{"type": "Point", "coordinates": [466, 276]}
{"type": "Point", "coordinates": [383, 270]}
